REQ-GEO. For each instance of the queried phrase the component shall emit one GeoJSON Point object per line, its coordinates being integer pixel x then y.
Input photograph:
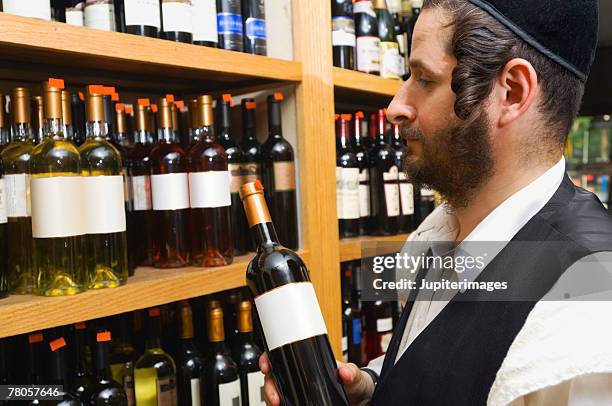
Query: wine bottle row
{"type": "Point", "coordinates": [373, 194]}
{"type": "Point", "coordinates": [374, 36]}
{"type": "Point", "coordinates": [237, 25]}
{"type": "Point", "coordinates": [197, 352]}
{"type": "Point", "coordinates": [75, 218]}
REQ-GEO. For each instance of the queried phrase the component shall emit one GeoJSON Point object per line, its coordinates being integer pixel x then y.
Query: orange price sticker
{"type": "Point", "coordinates": [359, 114]}
{"type": "Point", "coordinates": [80, 325]}
{"type": "Point", "coordinates": [227, 98]}
{"type": "Point", "coordinates": [57, 344]}
{"type": "Point", "coordinates": [144, 102]}
{"type": "Point", "coordinates": [120, 107]}
{"type": "Point", "coordinates": [103, 336]}
{"type": "Point", "coordinates": [278, 96]}
{"type": "Point", "coordinates": [251, 105]}
{"type": "Point", "coordinates": [81, 96]}
{"type": "Point", "coordinates": [96, 89]}
{"type": "Point", "coordinates": [115, 97]}
{"type": "Point", "coordinates": [35, 338]}
{"type": "Point", "coordinates": [346, 117]}
{"type": "Point", "coordinates": [129, 109]}
{"type": "Point", "coordinates": [179, 104]}
{"type": "Point", "coordinates": [336, 116]}
{"type": "Point", "coordinates": [109, 90]}
{"type": "Point", "coordinates": [154, 108]}
{"type": "Point", "coordinates": [154, 312]}
{"type": "Point", "coordinates": [57, 83]}
{"type": "Point", "coordinates": [170, 98]}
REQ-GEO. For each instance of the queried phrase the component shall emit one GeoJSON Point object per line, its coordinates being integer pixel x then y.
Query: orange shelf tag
{"type": "Point", "coordinates": [103, 336]}
{"type": "Point", "coordinates": [35, 338]}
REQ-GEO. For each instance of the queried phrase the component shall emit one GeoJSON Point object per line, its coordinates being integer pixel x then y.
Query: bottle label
{"type": "Point", "coordinates": [284, 176]}
{"type": "Point", "coordinates": [406, 195]}
{"type": "Point", "coordinates": [74, 15]}
{"type": "Point", "coordinates": [390, 62]}
{"type": "Point", "coordinates": [3, 218]}
{"type": "Point", "coordinates": [195, 391]}
{"type": "Point", "coordinates": [229, 23]}
{"type": "Point", "coordinates": [356, 331]}
{"type": "Point", "coordinates": [364, 193]}
{"type": "Point", "coordinates": [166, 392]}
{"type": "Point", "coordinates": [57, 207]}
{"type": "Point", "coordinates": [237, 177]}
{"type": "Point", "coordinates": [142, 12]}
{"type": "Point", "coordinates": [100, 14]}
{"type": "Point", "coordinates": [28, 8]}
{"type": "Point", "coordinates": [18, 195]}
{"type": "Point", "coordinates": [344, 344]}
{"type": "Point", "coordinates": [343, 31]}
{"type": "Point", "coordinates": [209, 189]}
{"type": "Point", "coordinates": [256, 389]}
{"type": "Point", "coordinates": [251, 172]}
{"type": "Point", "coordinates": [368, 54]}
{"type": "Point", "coordinates": [141, 193]}
{"type": "Point", "coordinates": [385, 340]}
{"type": "Point", "coordinates": [347, 193]}
{"type": "Point", "coordinates": [364, 6]}
{"type": "Point", "coordinates": [384, 325]}
{"type": "Point", "coordinates": [290, 313]}
{"type": "Point", "coordinates": [177, 16]}
{"type": "Point", "coordinates": [229, 393]}
{"type": "Point", "coordinates": [170, 191]}
{"type": "Point", "coordinates": [104, 204]}
{"type": "Point", "coordinates": [392, 197]}
{"type": "Point", "coordinates": [255, 28]}
{"type": "Point", "coordinates": [205, 20]}
{"type": "Point", "coordinates": [145, 383]}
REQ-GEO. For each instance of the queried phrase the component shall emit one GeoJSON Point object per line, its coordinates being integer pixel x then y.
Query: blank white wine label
{"type": "Point", "coordinates": [406, 195]}
{"type": "Point", "coordinates": [195, 391]}
{"type": "Point", "coordinates": [385, 340]}
{"type": "Point", "coordinates": [384, 325]}
{"type": "Point", "coordinates": [18, 195]}
{"type": "Point", "coordinates": [104, 204]}
{"type": "Point", "coordinates": [392, 197]}
{"type": "Point", "coordinates": [141, 192]}
{"type": "Point", "coordinates": [364, 193]}
{"type": "Point", "coordinates": [284, 176]}
{"type": "Point", "coordinates": [344, 343]}
{"type": "Point", "coordinates": [205, 20]}
{"type": "Point", "coordinates": [209, 189]}
{"type": "Point", "coordinates": [3, 218]}
{"type": "Point", "coordinates": [177, 15]}
{"type": "Point", "coordinates": [28, 8]}
{"type": "Point", "coordinates": [75, 15]}
{"type": "Point", "coordinates": [100, 14]}
{"type": "Point", "coordinates": [290, 313]}
{"type": "Point", "coordinates": [170, 191]}
{"type": "Point", "coordinates": [256, 391]}
{"type": "Point", "coordinates": [57, 207]}
{"type": "Point", "coordinates": [142, 12]}
{"type": "Point", "coordinates": [229, 393]}
{"type": "Point", "coordinates": [347, 193]}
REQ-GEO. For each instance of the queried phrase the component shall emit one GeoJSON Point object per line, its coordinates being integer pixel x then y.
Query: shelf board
{"type": "Point", "coordinates": [361, 88]}
{"type": "Point", "coordinates": [149, 287]}
{"type": "Point", "coordinates": [351, 248]}
{"type": "Point", "coordinates": [50, 48]}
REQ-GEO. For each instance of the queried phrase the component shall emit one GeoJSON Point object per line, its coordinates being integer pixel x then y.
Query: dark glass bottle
{"type": "Point", "coordinates": [255, 38]}
{"type": "Point", "coordinates": [347, 179]}
{"type": "Point", "coordinates": [364, 173]}
{"type": "Point", "coordinates": [105, 390]}
{"type": "Point", "coordinates": [235, 163]}
{"type": "Point", "coordinates": [251, 148]}
{"type": "Point", "coordinates": [78, 117]}
{"type": "Point", "coordinates": [390, 63]}
{"type": "Point", "coordinates": [34, 358]}
{"type": "Point", "coordinates": [5, 361]}
{"type": "Point", "coordinates": [5, 130]}
{"type": "Point", "coordinates": [304, 368]}
{"type": "Point", "coordinates": [343, 34]}
{"type": "Point", "coordinates": [4, 243]}
{"type": "Point", "coordinates": [189, 364]}
{"type": "Point", "coordinates": [58, 11]}
{"type": "Point", "coordinates": [140, 218]}
{"type": "Point", "coordinates": [279, 176]}
{"type": "Point", "coordinates": [384, 187]}
{"type": "Point", "coordinates": [38, 118]}
{"type": "Point", "coordinates": [230, 311]}
{"type": "Point", "coordinates": [229, 24]}
{"type": "Point", "coordinates": [57, 370]}
{"type": "Point", "coordinates": [367, 43]}
{"type": "Point", "coordinates": [138, 17]}
{"type": "Point", "coordinates": [177, 24]}
{"type": "Point", "coordinates": [246, 353]}
{"type": "Point", "coordinates": [209, 193]}
{"type": "Point", "coordinates": [378, 328]}
{"type": "Point", "coordinates": [170, 195]}
{"type": "Point", "coordinates": [123, 356]}
{"type": "Point", "coordinates": [406, 188]}
{"type": "Point", "coordinates": [220, 371]}
{"type": "Point", "coordinates": [352, 314]}
{"type": "Point", "coordinates": [81, 382]}
{"type": "Point", "coordinates": [205, 23]}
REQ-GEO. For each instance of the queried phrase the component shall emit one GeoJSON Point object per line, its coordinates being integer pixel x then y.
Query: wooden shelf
{"type": "Point", "coordinates": [149, 287]}
{"type": "Point", "coordinates": [351, 248]}
{"type": "Point", "coordinates": [353, 87]}
{"type": "Point", "coordinates": [36, 48]}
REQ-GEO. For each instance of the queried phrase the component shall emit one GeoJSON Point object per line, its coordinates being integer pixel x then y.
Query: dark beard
{"type": "Point", "coordinates": [456, 161]}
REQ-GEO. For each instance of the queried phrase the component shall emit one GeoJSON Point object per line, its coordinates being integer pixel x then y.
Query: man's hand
{"type": "Point", "coordinates": [357, 383]}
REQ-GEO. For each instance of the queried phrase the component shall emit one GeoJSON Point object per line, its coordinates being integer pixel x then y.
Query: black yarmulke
{"type": "Point", "coordinates": [563, 30]}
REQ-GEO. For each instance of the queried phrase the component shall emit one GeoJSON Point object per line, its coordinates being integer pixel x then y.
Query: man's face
{"type": "Point", "coordinates": [450, 155]}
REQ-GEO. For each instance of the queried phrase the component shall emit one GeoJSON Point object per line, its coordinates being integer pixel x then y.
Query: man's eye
{"type": "Point", "coordinates": [423, 82]}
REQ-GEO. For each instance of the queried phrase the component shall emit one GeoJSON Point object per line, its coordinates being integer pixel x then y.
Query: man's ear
{"type": "Point", "coordinates": [518, 83]}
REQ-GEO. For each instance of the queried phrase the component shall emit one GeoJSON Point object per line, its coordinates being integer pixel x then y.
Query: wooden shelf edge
{"type": "Point", "coordinates": [351, 248]}
{"type": "Point", "coordinates": [35, 40]}
{"type": "Point", "coordinates": [360, 82]}
{"type": "Point", "coordinates": [149, 287]}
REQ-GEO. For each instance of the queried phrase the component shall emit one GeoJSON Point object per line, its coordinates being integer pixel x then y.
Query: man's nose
{"type": "Point", "coordinates": [399, 110]}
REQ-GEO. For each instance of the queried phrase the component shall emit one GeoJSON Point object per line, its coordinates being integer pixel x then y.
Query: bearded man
{"type": "Point", "coordinates": [495, 86]}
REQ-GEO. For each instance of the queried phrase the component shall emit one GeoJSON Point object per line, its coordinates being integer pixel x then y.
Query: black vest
{"type": "Point", "coordinates": [455, 359]}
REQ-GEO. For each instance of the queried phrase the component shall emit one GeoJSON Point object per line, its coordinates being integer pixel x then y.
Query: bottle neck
{"type": "Point", "coordinates": [380, 127]}
{"type": "Point", "coordinates": [275, 127]}
{"type": "Point", "coordinates": [103, 371]}
{"type": "Point", "coordinates": [96, 129]}
{"type": "Point", "coordinates": [343, 133]}
{"type": "Point", "coordinates": [357, 130]}
{"type": "Point", "coordinates": [207, 134]}
{"type": "Point", "coordinates": [167, 134]}
{"type": "Point", "coordinates": [54, 128]}
{"type": "Point", "coordinates": [79, 351]}
{"type": "Point", "coordinates": [143, 137]}
{"type": "Point", "coordinates": [249, 124]}
{"type": "Point", "coordinates": [265, 234]}
{"type": "Point", "coordinates": [225, 122]}
{"type": "Point", "coordinates": [58, 367]}
{"type": "Point", "coordinates": [22, 132]}
{"type": "Point", "coordinates": [153, 333]}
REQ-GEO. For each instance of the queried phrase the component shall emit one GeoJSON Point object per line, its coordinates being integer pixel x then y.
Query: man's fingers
{"type": "Point", "coordinates": [264, 363]}
{"type": "Point", "coordinates": [348, 373]}
{"type": "Point", "coordinates": [272, 398]}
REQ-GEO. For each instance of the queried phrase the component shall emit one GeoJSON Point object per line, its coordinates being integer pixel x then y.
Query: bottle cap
{"type": "Point", "coordinates": [254, 203]}
{"type": "Point", "coordinates": [20, 103]}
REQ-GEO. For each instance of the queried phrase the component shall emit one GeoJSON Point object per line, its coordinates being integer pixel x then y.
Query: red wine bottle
{"type": "Point", "coordinates": [406, 188]}
{"type": "Point", "coordinates": [138, 17]}
{"type": "Point", "coordinates": [4, 237]}
{"type": "Point", "coordinates": [378, 328]}
{"type": "Point", "coordinates": [347, 180]}
{"type": "Point", "coordinates": [367, 41]}
{"type": "Point", "coordinates": [364, 173]}
{"type": "Point", "coordinates": [343, 34]}
{"type": "Point", "coordinates": [105, 390]}
{"type": "Point", "coordinates": [287, 309]}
